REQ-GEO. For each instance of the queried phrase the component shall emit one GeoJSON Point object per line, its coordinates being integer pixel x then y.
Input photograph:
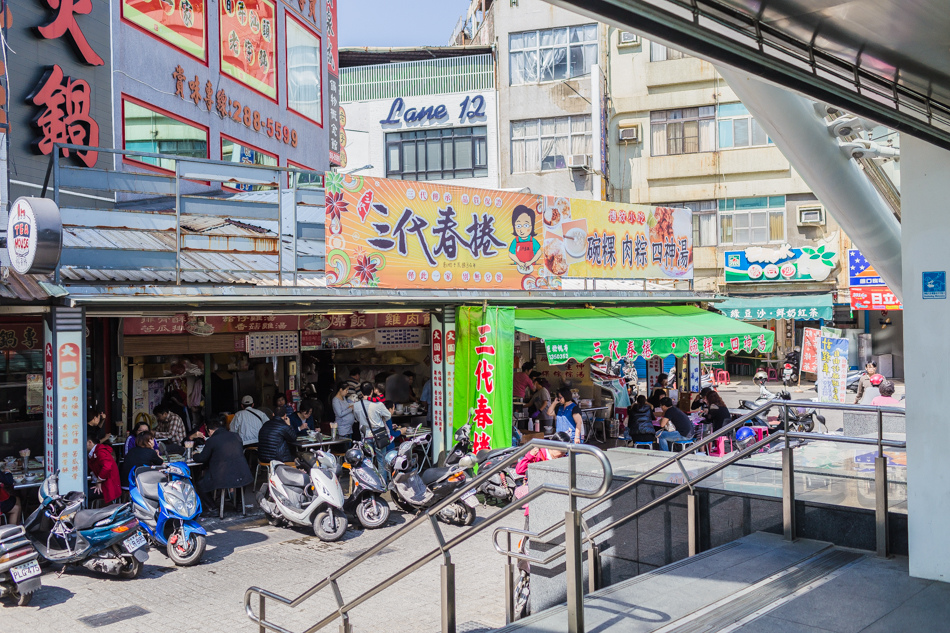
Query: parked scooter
{"type": "Point", "coordinates": [414, 492]}
{"type": "Point", "coordinates": [366, 487]}
{"type": "Point", "coordinates": [19, 568]}
{"type": "Point", "coordinates": [800, 419]}
{"type": "Point", "coordinates": [500, 486]}
{"type": "Point", "coordinates": [790, 374]}
{"type": "Point", "coordinates": [166, 504]}
{"type": "Point", "coordinates": [105, 540]}
{"type": "Point", "coordinates": [291, 496]}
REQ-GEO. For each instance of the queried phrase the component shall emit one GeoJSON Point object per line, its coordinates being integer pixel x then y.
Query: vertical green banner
{"type": "Point", "coordinates": [484, 371]}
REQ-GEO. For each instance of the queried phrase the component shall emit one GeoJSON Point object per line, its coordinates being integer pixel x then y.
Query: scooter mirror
{"type": "Point", "coordinates": [468, 461]}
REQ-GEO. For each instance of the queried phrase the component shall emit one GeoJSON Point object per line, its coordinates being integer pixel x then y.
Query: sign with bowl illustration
{"type": "Point", "coordinates": [609, 240]}
{"type": "Point", "coordinates": [758, 264]}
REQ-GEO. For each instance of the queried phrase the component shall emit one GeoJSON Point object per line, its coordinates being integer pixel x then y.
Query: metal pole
{"type": "Point", "coordinates": [510, 585]}
{"type": "Point", "coordinates": [788, 492]}
{"type": "Point", "coordinates": [593, 567]}
{"type": "Point", "coordinates": [261, 615]}
{"type": "Point", "coordinates": [178, 227]}
{"type": "Point", "coordinates": [280, 233]}
{"type": "Point", "coordinates": [448, 597]}
{"type": "Point", "coordinates": [293, 233]}
{"type": "Point", "coordinates": [575, 585]}
{"type": "Point", "coordinates": [692, 514]}
{"type": "Point", "coordinates": [880, 491]}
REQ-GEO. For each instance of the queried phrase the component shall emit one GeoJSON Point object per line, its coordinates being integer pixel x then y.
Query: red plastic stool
{"type": "Point", "coordinates": [722, 377]}
{"type": "Point", "coordinates": [773, 375]}
{"type": "Point", "coordinates": [718, 448]}
{"type": "Point", "coordinates": [760, 432]}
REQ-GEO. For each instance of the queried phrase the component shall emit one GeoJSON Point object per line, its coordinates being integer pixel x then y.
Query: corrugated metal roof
{"type": "Point", "coordinates": [26, 288]}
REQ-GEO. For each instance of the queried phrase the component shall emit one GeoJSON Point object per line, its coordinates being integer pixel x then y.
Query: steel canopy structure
{"type": "Point", "coordinates": [887, 60]}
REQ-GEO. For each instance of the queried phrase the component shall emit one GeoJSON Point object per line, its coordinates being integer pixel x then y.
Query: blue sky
{"type": "Point", "coordinates": [395, 23]}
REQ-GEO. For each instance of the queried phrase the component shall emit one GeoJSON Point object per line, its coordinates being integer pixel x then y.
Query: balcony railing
{"type": "Point", "coordinates": [418, 78]}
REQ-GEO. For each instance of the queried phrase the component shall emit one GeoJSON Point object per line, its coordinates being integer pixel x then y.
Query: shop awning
{"type": "Point", "coordinates": [801, 307]}
{"type": "Point", "coordinates": [599, 333]}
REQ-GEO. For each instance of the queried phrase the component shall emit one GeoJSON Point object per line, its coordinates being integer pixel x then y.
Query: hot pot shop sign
{"type": "Point", "coordinates": [402, 234]}
{"type": "Point", "coordinates": [594, 239]}
{"type": "Point", "coordinates": [34, 235]}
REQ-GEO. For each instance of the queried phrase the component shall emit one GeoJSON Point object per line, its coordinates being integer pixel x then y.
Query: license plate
{"type": "Point", "coordinates": [469, 499]}
{"type": "Point", "coordinates": [788, 372]}
{"type": "Point", "coordinates": [25, 571]}
{"type": "Point", "coordinates": [134, 542]}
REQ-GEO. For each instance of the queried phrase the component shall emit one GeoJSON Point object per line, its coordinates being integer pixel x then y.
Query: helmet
{"type": "Point", "coordinates": [353, 457]}
{"type": "Point", "coordinates": [745, 437]}
{"type": "Point", "coordinates": [760, 377]}
{"type": "Point", "coordinates": [876, 380]}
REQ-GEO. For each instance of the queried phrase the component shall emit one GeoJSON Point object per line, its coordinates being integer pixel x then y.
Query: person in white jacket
{"type": "Point", "coordinates": [248, 421]}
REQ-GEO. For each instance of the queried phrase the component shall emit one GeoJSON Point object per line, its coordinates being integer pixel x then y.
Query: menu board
{"type": "Point", "coordinates": [394, 338]}
{"type": "Point", "coordinates": [181, 23]}
{"type": "Point", "coordinates": [262, 344]}
{"type": "Point", "coordinates": [248, 32]}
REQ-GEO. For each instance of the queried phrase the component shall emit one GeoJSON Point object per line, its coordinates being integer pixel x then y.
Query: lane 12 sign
{"type": "Point", "coordinates": [471, 108]}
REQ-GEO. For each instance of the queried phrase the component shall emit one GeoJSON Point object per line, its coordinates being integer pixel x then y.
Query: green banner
{"type": "Point", "coordinates": [484, 370]}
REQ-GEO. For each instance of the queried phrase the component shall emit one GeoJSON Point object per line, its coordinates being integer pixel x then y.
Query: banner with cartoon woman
{"type": "Point", "coordinates": [402, 234]}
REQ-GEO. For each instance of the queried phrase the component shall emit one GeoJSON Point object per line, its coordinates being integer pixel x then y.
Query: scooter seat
{"type": "Point", "coordinates": [433, 474]}
{"type": "Point", "coordinates": [292, 477]}
{"type": "Point", "coordinates": [87, 518]}
{"type": "Point", "coordinates": [486, 454]}
{"type": "Point", "coordinates": [147, 482]}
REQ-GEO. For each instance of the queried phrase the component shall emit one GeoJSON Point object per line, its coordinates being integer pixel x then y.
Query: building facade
{"type": "Point", "coordinates": [430, 116]}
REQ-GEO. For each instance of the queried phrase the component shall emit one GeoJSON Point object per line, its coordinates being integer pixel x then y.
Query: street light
{"type": "Point", "coordinates": [353, 171]}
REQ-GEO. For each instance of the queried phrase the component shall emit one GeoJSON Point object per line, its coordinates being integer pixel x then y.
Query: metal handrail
{"type": "Point", "coordinates": [689, 483]}
{"type": "Point", "coordinates": [431, 517]}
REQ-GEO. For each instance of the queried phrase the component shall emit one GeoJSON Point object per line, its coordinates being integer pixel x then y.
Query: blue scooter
{"type": "Point", "coordinates": [105, 540]}
{"type": "Point", "coordinates": [166, 504]}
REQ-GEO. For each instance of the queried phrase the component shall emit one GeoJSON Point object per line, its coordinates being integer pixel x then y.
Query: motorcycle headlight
{"type": "Point", "coordinates": [181, 497]}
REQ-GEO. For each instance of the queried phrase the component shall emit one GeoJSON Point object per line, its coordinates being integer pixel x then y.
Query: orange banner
{"type": "Point", "coordinates": [248, 30]}
{"type": "Point", "coordinates": [403, 234]}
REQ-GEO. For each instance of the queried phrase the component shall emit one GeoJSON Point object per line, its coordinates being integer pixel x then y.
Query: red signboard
{"type": "Point", "coordinates": [310, 341]}
{"type": "Point", "coordinates": [874, 298]}
{"type": "Point", "coordinates": [359, 321]}
{"type": "Point", "coordinates": [248, 34]}
{"type": "Point", "coordinates": [173, 324]}
{"type": "Point", "coordinates": [810, 350]}
{"type": "Point", "coordinates": [436, 346]}
{"type": "Point", "coordinates": [450, 347]}
{"type": "Point", "coordinates": [181, 25]}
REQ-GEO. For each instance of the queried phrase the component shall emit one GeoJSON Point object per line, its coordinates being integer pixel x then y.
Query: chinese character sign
{"type": "Point", "coordinates": [181, 25]}
{"type": "Point", "coordinates": [810, 350]}
{"type": "Point", "coordinates": [867, 288]}
{"type": "Point", "coordinates": [484, 366]}
{"type": "Point", "coordinates": [403, 234]}
{"type": "Point", "coordinates": [832, 369]}
{"type": "Point", "coordinates": [333, 86]}
{"type": "Point", "coordinates": [69, 404]}
{"type": "Point", "coordinates": [248, 30]}
{"type": "Point", "coordinates": [610, 240]}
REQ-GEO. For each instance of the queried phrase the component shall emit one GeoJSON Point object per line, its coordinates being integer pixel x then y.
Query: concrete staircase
{"type": "Point", "coordinates": [762, 583]}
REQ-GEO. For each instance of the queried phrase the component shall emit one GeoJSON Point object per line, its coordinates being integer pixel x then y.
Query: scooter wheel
{"type": "Point", "coordinates": [191, 554]}
{"type": "Point", "coordinates": [329, 525]}
{"type": "Point", "coordinates": [131, 569]}
{"type": "Point", "coordinates": [22, 599]}
{"type": "Point", "coordinates": [371, 517]}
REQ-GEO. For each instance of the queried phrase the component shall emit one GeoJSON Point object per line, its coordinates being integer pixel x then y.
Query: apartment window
{"type": "Point", "coordinates": [545, 144]}
{"type": "Point", "coordinates": [153, 132]}
{"type": "Point", "coordinates": [306, 179]}
{"type": "Point", "coordinates": [683, 131]}
{"type": "Point", "coordinates": [737, 128]}
{"type": "Point", "coordinates": [704, 220]}
{"type": "Point", "coordinates": [752, 220]}
{"type": "Point", "coordinates": [441, 154]}
{"type": "Point", "coordinates": [304, 72]}
{"type": "Point", "coordinates": [551, 54]}
{"type": "Point", "coordinates": [661, 53]}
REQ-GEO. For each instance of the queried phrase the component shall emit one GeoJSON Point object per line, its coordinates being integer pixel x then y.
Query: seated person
{"type": "Point", "coordinates": [886, 399]}
{"type": "Point", "coordinates": [248, 421]}
{"type": "Point", "coordinates": [717, 414]}
{"type": "Point", "coordinates": [141, 427]}
{"type": "Point", "coordinates": [224, 455]}
{"type": "Point", "coordinates": [640, 422]}
{"type": "Point", "coordinates": [302, 419]}
{"type": "Point", "coordinates": [9, 502]}
{"type": "Point", "coordinates": [276, 439]}
{"type": "Point", "coordinates": [659, 391]}
{"type": "Point", "coordinates": [700, 401]}
{"type": "Point", "coordinates": [102, 464]}
{"type": "Point", "coordinates": [679, 422]}
{"type": "Point", "coordinates": [142, 454]}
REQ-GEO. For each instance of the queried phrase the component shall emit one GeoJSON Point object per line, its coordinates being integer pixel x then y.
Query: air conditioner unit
{"type": "Point", "coordinates": [630, 134]}
{"type": "Point", "coordinates": [811, 215]}
{"type": "Point", "coordinates": [626, 37]}
{"type": "Point", "coordinates": [577, 161]}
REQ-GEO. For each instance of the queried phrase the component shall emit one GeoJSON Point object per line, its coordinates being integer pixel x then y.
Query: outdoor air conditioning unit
{"type": "Point", "coordinates": [577, 161]}
{"type": "Point", "coordinates": [627, 38]}
{"type": "Point", "coordinates": [811, 215]}
{"type": "Point", "coordinates": [630, 134]}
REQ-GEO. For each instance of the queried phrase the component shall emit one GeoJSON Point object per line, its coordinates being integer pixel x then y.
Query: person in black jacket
{"type": "Point", "coordinates": [276, 438]}
{"type": "Point", "coordinates": [717, 414]}
{"type": "Point", "coordinates": [223, 456]}
{"type": "Point", "coordinates": [640, 421]}
{"type": "Point", "coordinates": [142, 454]}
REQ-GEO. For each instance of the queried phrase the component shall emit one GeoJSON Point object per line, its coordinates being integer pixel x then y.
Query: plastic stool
{"type": "Point", "coordinates": [648, 445]}
{"type": "Point", "coordinates": [682, 444]}
{"type": "Point", "coordinates": [722, 377]}
{"type": "Point", "coordinates": [718, 449]}
{"type": "Point", "coordinates": [773, 375]}
{"type": "Point", "coordinates": [760, 432]}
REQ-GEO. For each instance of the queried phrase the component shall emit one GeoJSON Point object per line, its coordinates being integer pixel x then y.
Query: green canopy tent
{"type": "Point", "coordinates": [602, 333]}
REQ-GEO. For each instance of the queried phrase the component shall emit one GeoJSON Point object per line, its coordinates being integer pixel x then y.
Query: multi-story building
{"type": "Point", "coordinates": [421, 114]}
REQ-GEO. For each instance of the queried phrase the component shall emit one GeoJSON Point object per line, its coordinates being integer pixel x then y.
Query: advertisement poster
{"type": "Point", "coordinates": [868, 290]}
{"type": "Point", "coordinates": [438, 387]}
{"type": "Point", "coordinates": [70, 411]}
{"type": "Point", "coordinates": [181, 23]}
{"type": "Point", "coordinates": [609, 240]}
{"type": "Point", "coordinates": [404, 234]}
{"type": "Point", "coordinates": [333, 86]}
{"type": "Point", "coordinates": [249, 43]}
{"type": "Point", "coordinates": [810, 350]}
{"type": "Point", "coordinates": [832, 369]}
{"type": "Point", "coordinates": [761, 264]}
{"type": "Point", "coordinates": [484, 375]}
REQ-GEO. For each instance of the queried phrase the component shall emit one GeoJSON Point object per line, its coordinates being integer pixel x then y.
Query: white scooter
{"type": "Point", "coordinates": [291, 497]}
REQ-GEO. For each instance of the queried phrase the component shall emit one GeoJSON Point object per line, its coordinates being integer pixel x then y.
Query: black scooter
{"type": "Point", "coordinates": [19, 568]}
{"type": "Point", "coordinates": [500, 486]}
{"type": "Point", "coordinates": [799, 419]}
{"type": "Point", "coordinates": [367, 487]}
{"type": "Point", "coordinates": [414, 493]}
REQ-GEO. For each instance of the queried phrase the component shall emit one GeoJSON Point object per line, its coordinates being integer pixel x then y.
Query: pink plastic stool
{"type": "Point", "coordinates": [773, 375]}
{"type": "Point", "coordinates": [760, 432]}
{"type": "Point", "coordinates": [722, 377]}
{"type": "Point", "coordinates": [718, 449]}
